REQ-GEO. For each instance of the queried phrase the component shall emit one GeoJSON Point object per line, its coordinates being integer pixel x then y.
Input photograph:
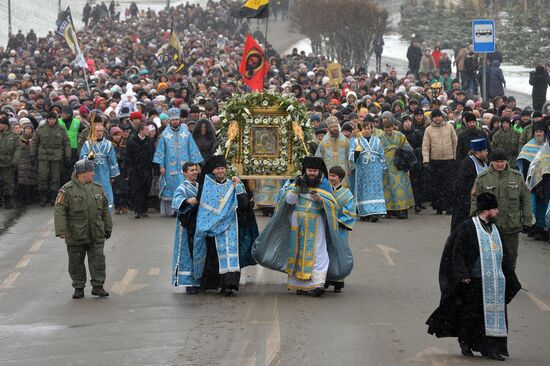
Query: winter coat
{"type": "Point", "coordinates": [427, 64]}
{"type": "Point", "coordinates": [509, 141]}
{"type": "Point", "coordinates": [439, 142]}
{"type": "Point", "coordinates": [139, 160]}
{"type": "Point", "coordinates": [463, 143]}
{"type": "Point", "coordinates": [495, 81]}
{"type": "Point", "coordinates": [445, 64]}
{"type": "Point", "coordinates": [414, 55]}
{"type": "Point", "coordinates": [26, 170]}
{"type": "Point", "coordinates": [540, 80]}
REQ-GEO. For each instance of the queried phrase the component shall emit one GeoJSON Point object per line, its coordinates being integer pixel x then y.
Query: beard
{"type": "Point", "coordinates": [539, 140]}
{"type": "Point", "coordinates": [312, 182]}
{"type": "Point", "coordinates": [492, 219]}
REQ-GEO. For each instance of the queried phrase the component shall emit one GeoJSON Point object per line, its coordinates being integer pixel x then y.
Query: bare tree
{"type": "Point", "coordinates": [341, 30]}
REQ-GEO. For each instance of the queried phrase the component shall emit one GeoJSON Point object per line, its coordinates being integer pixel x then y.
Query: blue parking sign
{"type": "Point", "coordinates": [483, 32]}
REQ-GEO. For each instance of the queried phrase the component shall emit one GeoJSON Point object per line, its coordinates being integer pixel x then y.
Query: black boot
{"type": "Point", "coordinates": [78, 293]}
{"type": "Point", "coordinates": [99, 291]}
{"type": "Point", "coordinates": [9, 203]}
{"type": "Point", "coordinates": [417, 209]}
{"type": "Point", "coordinates": [227, 292]}
{"type": "Point", "coordinates": [318, 292]}
{"type": "Point", "coordinates": [402, 215]}
{"type": "Point", "coordinates": [494, 356]}
{"type": "Point", "coordinates": [374, 218]}
{"type": "Point", "coordinates": [43, 199]}
{"type": "Point", "coordinates": [465, 349]}
{"type": "Point", "coordinates": [191, 290]}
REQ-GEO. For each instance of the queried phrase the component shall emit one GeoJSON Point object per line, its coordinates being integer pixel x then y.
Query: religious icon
{"type": "Point", "coordinates": [265, 142]}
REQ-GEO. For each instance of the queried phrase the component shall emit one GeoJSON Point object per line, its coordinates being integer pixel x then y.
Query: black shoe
{"type": "Point", "coordinates": [43, 199]}
{"type": "Point", "coordinates": [465, 349]}
{"type": "Point", "coordinates": [144, 215]}
{"type": "Point", "coordinates": [495, 356]}
{"type": "Point", "coordinates": [338, 288]}
{"type": "Point", "coordinates": [137, 216]}
{"type": "Point", "coordinates": [439, 212]}
{"type": "Point", "coordinates": [318, 292]}
{"type": "Point", "coordinates": [99, 291]}
{"type": "Point", "coordinates": [192, 290]}
{"type": "Point", "coordinates": [417, 209]}
{"type": "Point", "coordinates": [227, 293]}
{"type": "Point", "coordinates": [402, 215]}
{"type": "Point", "coordinates": [374, 218]}
{"type": "Point", "coordinates": [78, 293]}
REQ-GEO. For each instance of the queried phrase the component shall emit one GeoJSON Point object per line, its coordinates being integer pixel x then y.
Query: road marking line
{"type": "Point", "coordinates": [45, 232]}
{"type": "Point", "coordinates": [9, 281]}
{"type": "Point", "coordinates": [24, 261]}
{"type": "Point", "coordinates": [273, 340]}
{"type": "Point", "coordinates": [538, 301]}
{"type": "Point", "coordinates": [154, 271]}
{"type": "Point", "coordinates": [36, 246]}
{"type": "Point", "coordinates": [125, 286]}
{"type": "Point", "coordinates": [386, 252]}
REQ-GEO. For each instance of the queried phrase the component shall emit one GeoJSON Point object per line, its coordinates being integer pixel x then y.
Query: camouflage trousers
{"type": "Point", "coordinates": [96, 264]}
{"type": "Point", "coordinates": [7, 177]}
{"type": "Point", "coordinates": [49, 172]}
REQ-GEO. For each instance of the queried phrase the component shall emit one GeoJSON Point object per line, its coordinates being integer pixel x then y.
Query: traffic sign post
{"type": "Point", "coordinates": [483, 34]}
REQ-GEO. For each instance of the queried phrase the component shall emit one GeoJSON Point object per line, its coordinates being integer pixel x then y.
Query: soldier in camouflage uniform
{"type": "Point", "coordinates": [514, 202]}
{"type": "Point", "coordinates": [83, 220]}
{"type": "Point", "coordinates": [50, 145]}
{"type": "Point", "coordinates": [10, 152]}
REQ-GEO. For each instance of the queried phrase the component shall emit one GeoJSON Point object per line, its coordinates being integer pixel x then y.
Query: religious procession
{"type": "Point", "coordinates": [187, 125]}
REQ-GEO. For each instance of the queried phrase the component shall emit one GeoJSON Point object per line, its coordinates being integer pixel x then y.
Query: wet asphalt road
{"type": "Point", "coordinates": [378, 319]}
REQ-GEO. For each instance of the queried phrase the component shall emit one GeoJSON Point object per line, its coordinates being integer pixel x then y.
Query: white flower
{"type": "Point", "coordinates": [246, 161]}
{"type": "Point", "coordinates": [256, 162]}
{"type": "Point", "coordinates": [276, 163]}
{"type": "Point", "coordinates": [290, 108]}
{"type": "Point", "coordinates": [246, 151]}
{"type": "Point", "coordinates": [265, 103]}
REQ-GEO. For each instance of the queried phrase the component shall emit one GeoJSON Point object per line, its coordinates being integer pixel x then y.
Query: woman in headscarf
{"type": "Point", "coordinates": [204, 135]}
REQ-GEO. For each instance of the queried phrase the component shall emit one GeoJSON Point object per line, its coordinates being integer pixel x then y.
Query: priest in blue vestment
{"type": "Point", "coordinates": [367, 152]}
{"type": "Point", "coordinates": [303, 239]}
{"type": "Point", "coordinates": [185, 203]}
{"type": "Point", "coordinates": [175, 147]}
{"type": "Point", "coordinates": [105, 161]}
{"type": "Point", "coordinates": [223, 236]}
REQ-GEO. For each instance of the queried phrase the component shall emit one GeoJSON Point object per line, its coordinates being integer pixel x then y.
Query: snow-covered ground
{"type": "Point", "coordinates": [517, 77]}
{"type": "Point", "coordinates": [41, 15]}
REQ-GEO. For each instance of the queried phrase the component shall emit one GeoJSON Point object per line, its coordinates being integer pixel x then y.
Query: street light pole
{"type": "Point", "coordinates": [9, 17]}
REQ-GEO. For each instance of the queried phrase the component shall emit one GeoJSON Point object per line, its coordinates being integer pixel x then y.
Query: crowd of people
{"type": "Point", "coordinates": [383, 144]}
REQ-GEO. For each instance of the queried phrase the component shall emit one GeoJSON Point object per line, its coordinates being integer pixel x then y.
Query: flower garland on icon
{"type": "Point", "coordinates": [242, 112]}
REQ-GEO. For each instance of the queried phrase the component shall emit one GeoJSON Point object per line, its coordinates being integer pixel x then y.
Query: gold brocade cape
{"type": "Point", "coordinates": [271, 248]}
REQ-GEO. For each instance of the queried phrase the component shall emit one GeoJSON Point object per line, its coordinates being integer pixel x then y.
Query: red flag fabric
{"type": "Point", "coordinates": [253, 65]}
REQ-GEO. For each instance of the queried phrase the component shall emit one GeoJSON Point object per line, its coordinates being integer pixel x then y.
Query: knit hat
{"type": "Point", "coordinates": [498, 155]}
{"type": "Point", "coordinates": [83, 166]}
{"type": "Point", "coordinates": [114, 130]}
{"type": "Point", "coordinates": [436, 113]}
{"type": "Point", "coordinates": [486, 201]}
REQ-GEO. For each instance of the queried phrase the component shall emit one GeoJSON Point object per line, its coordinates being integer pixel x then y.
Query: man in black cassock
{"type": "Point", "coordinates": [469, 169]}
{"type": "Point", "coordinates": [475, 288]}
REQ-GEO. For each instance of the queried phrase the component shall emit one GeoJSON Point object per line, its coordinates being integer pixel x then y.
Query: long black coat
{"type": "Point", "coordinates": [459, 257]}
{"type": "Point", "coordinates": [467, 175]}
{"type": "Point", "coordinates": [540, 80]}
{"type": "Point", "coordinates": [463, 144]}
{"type": "Point", "coordinates": [139, 161]}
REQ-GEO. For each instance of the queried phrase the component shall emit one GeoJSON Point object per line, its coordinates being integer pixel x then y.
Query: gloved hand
{"type": "Point", "coordinates": [427, 166]}
{"type": "Point", "coordinates": [527, 228]}
{"type": "Point", "coordinates": [107, 235]}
